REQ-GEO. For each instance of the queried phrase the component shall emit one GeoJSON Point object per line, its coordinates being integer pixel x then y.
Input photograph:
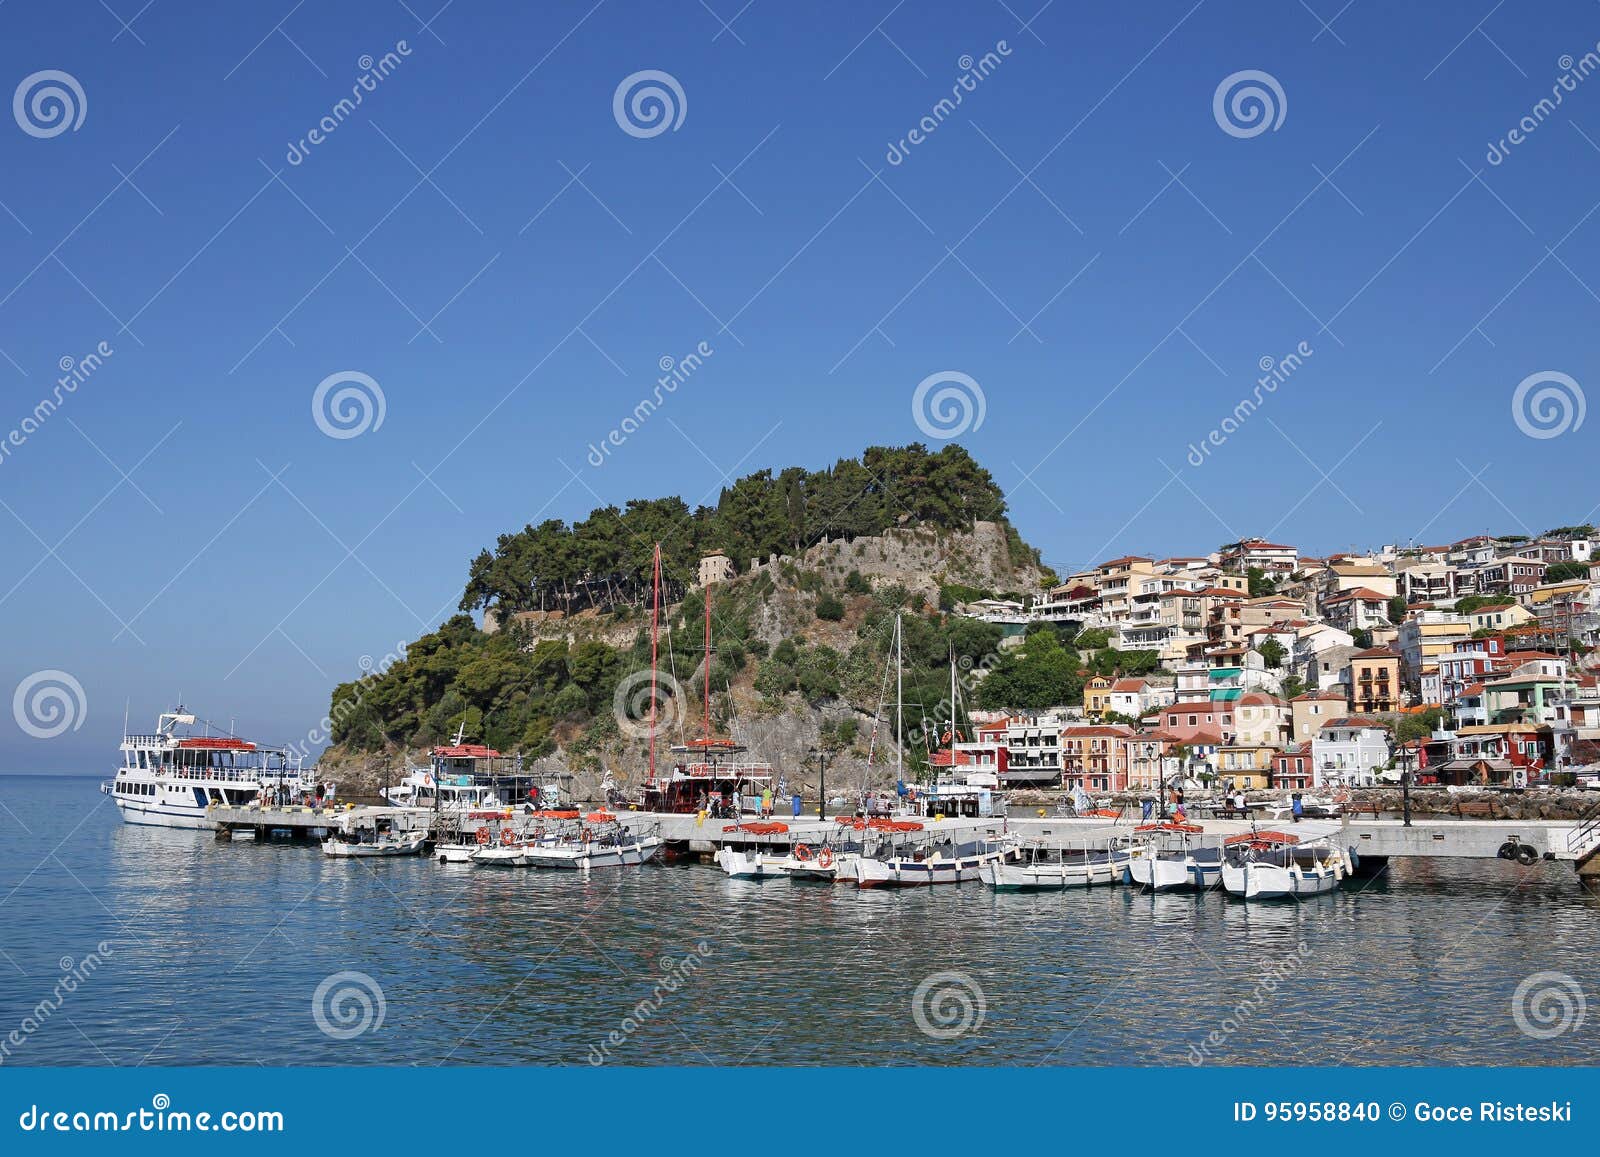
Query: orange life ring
{"type": "Point", "coordinates": [825, 858]}
{"type": "Point", "coordinates": [508, 837]}
{"type": "Point", "coordinates": [483, 836]}
{"type": "Point", "coordinates": [802, 852]}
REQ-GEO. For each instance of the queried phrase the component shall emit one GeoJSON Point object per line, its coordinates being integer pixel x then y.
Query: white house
{"type": "Point", "coordinates": [1349, 752]}
{"type": "Point", "coordinates": [1135, 697]}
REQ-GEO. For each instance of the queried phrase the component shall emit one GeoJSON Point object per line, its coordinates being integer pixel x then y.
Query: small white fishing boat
{"type": "Point", "coordinates": [829, 863]}
{"type": "Point", "coordinates": [943, 861]}
{"type": "Point", "coordinates": [369, 842]}
{"type": "Point", "coordinates": [512, 854]}
{"type": "Point", "coordinates": [752, 863]}
{"type": "Point", "coordinates": [1051, 871]}
{"type": "Point", "coordinates": [1167, 860]}
{"type": "Point", "coordinates": [1276, 865]}
{"type": "Point", "coordinates": [602, 841]}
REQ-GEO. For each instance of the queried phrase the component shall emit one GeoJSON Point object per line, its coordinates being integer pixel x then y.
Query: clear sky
{"type": "Point", "coordinates": [507, 260]}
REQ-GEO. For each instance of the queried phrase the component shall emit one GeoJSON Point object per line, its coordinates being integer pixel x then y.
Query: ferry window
{"type": "Point", "coordinates": [141, 759]}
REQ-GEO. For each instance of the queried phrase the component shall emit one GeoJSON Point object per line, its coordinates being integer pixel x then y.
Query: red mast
{"type": "Point", "coordinates": [655, 621]}
{"type": "Point", "coordinates": [706, 732]}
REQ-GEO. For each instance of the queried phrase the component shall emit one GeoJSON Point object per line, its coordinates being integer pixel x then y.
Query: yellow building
{"type": "Point", "coordinates": [1249, 766]}
{"type": "Point", "coordinates": [1097, 695]}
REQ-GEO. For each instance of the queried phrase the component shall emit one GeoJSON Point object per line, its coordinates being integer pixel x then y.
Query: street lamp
{"type": "Point", "coordinates": [1407, 757]}
{"type": "Point", "coordinates": [822, 780]}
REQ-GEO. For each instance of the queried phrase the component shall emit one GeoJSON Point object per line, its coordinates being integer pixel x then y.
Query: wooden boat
{"type": "Point", "coordinates": [1052, 872]}
{"type": "Point", "coordinates": [891, 865]}
{"type": "Point", "coordinates": [1276, 865]}
{"type": "Point", "coordinates": [1167, 860]}
{"type": "Point", "coordinates": [602, 841]}
{"type": "Point", "coordinates": [366, 842]}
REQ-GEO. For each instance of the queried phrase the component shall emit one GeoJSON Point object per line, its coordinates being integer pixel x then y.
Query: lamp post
{"type": "Point", "coordinates": [1407, 756]}
{"type": "Point", "coordinates": [822, 780]}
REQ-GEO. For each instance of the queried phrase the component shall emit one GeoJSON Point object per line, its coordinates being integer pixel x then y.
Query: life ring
{"type": "Point", "coordinates": [825, 858]}
{"type": "Point", "coordinates": [483, 836]}
{"type": "Point", "coordinates": [802, 852]}
{"type": "Point", "coordinates": [508, 837]}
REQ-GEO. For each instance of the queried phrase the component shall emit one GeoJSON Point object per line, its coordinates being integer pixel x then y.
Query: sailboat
{"type": "Point", "coordinates": [704, 776]}
{"type": "Point", "coordinates": [896, 856]}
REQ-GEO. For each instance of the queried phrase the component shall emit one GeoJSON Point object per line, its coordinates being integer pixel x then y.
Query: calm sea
{"type": "Point", "coordinates": [123, 945]}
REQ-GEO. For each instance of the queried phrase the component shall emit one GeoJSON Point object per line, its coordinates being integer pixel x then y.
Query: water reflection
{"type": "Point", "coordinates": [226, 943]}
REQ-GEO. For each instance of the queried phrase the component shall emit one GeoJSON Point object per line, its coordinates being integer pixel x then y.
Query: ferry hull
{"type": "Point", "coordinates": [164, 816]}
{"type": "Point", "coordinates": [595, 856]}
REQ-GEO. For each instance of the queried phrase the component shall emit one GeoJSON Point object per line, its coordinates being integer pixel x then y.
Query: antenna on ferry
{"type": "Point", "coordinates": [461, 731]}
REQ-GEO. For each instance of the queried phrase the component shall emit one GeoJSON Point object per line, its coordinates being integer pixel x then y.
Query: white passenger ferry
{"type": "Point", "coordinates": [169, 779]}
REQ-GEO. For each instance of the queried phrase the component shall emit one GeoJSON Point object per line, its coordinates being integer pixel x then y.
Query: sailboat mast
{"type": "Point", "coordinates": [952, 711]}
{"type": "Point", "coordinates": [706, 731]}
{"type": "Point", "coordinates": [655, 627]}
{"type": "Point", "coordinates": [899, 705]}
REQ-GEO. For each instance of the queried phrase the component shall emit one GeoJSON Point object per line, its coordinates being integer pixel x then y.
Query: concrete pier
{"type": "Point", "coordinates": [1567, 841]}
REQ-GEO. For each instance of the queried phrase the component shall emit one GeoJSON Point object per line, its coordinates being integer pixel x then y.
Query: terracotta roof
{"type": "Point", "coordinates": [1123, 561]}
{"type": "Point", "coordinates": [1092, 730]}
{"type": "Point", "coordinates": [1310, 695]}
{"type": "Point", "coordinates": [1353, 721]}
{"type": "Point", "coordinates": [1362, 594]}
{"type": "Point", "coordinates": [1375, 653]}
{"type": "Point", "coordinates": [1128, 685]}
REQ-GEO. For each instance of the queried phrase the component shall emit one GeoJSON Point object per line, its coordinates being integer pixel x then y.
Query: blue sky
{"type": "Point", "coordinates": [1081, 237]}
